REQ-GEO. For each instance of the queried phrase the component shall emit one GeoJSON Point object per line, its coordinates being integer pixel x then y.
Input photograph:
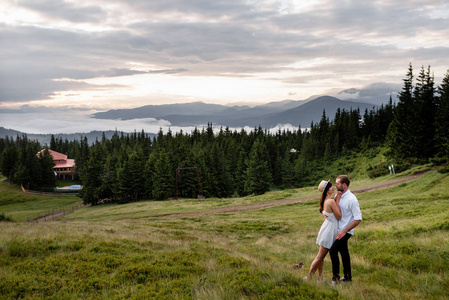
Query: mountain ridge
{"type": "Point", "coordinates": [294, 112]}
{"type": "Point", "coordinates": [45, 138]}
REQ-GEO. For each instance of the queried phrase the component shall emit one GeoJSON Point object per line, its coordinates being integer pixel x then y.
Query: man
{"type": "Point", "coordinates": [351, 216]}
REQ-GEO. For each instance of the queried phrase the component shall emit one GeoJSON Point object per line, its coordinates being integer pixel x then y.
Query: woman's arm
{"type": "Point", "coordinates": [335, 208]}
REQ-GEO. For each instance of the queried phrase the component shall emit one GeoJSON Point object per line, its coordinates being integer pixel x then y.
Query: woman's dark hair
{"type": "Point", "coordinates": [324, 194]}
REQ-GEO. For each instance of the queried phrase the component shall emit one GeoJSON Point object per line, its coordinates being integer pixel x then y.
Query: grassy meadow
{"type": "Point", "coordinates": [399, 251]}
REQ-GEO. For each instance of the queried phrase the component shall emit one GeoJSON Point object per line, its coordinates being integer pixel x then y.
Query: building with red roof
{"type": "Point", "coordinates": [63, 166]}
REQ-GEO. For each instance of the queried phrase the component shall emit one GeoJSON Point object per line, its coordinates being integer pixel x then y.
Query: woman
{"type": "Point", "coordinates": [328, 232]}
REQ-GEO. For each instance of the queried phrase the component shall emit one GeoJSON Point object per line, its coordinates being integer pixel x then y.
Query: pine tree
{"type": "Point", "coordinates": [29, 170]}
{"type": "Point", "coordinates": [219, 170]}
{"type": "Point", "coordinates": [187, 168]}
{"type": "Point", "coordinates": [130, 180]}
{"type": "Point", "coordinates": [442, 119]}
{"type": "Point", "coordinates": [383, 117]}
{"type": "Point", "coordinates": [258, 177]}
{"type": "Point", "coordinates": [92, 178]}
{"type": "Point", "coordinates": [188, 183]}
{"type": "Point", "coordinates": [323, 134]}
{"type": "Point", "coordinates": [208, 168]}
{"type": "Point", "coordinates": [109, 175]}
{"type": "Point", "coordinates": [240, 172]}
{"type": "Point", "coordinates": [148, 176]}
{"type": "Point", "coordinates": [53, 143]}
{"type": "Point", "coordinates": [400, 136]}
{"type": "Point", "coordinates": [82, 155]}
{"type": "Point", "coordinates": [163, 175]}
{"type": "Point", "coordinates": [424, 119]}
{"type": "Point", "coordinates": [288, 167]}
{"type": "Point", "coordinates": [9, 160]}
{"type": "Point", "coordinates": [47, 174]}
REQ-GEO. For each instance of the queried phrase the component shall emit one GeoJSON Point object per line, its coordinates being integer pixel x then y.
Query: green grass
{"type": "Point", "coordinates": [20, 206]}
{"type": "Point", "coordinates": [400, 250]}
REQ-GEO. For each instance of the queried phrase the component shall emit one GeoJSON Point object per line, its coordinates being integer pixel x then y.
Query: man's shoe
{"type": "Point", "coordinates": [334, 282]}
{"type": "Point", "coordinates": [344, 279]}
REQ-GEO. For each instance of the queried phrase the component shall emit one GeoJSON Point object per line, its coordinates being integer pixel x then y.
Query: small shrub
{"type": "Point", "coordinates": [4, 218]}
{"type": "Point", "coordinates": [378, 170]}
{"type": "Point", "coordinates": [31, 248]}
{"type": "Point", "coordinates": [444, 169]}
{"type": "Point", "coordinates": [401, 167]}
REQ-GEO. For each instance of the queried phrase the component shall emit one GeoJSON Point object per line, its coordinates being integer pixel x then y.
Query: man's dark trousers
{"type": "Point", "coordinates": [341, 246]}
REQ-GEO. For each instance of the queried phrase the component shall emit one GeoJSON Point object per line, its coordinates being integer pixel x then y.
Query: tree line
{"type": "Point", "coordinates": [228, 163]}
{"type": "Point", "coordinates": [23, 162]}
{"type": "Point", "coordinates": [420, 128]}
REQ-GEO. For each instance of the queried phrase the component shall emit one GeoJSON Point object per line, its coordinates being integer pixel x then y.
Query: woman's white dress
{"type": "Point", "coordinates": [328, 231]}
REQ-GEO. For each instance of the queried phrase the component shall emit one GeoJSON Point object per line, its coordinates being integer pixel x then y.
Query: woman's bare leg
{"type": "Point", "coordinates": [320, 270]}
{"type": "Point", "coordinates": [318, 262]}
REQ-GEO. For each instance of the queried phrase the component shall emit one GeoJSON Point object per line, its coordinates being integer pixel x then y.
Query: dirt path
{"type": "Point", "coordinates": [53, 215]}
{"type": "Point", "coordinates": [233, 209]}
{"type": "Point", "coordinates": [239, 208]}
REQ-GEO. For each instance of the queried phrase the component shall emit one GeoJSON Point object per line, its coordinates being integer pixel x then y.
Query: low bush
{"type": "Point", "coordinates": [4, 218]}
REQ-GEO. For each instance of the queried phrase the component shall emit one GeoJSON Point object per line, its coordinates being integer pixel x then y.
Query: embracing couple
{"type": "Point", "coordinates": [342, 215]}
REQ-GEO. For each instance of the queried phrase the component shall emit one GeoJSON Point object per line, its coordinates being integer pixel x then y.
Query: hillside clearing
{"type": "Point", "coordinates": [240, 208]}
{"type": "Point", "coordinates": [124, 252]}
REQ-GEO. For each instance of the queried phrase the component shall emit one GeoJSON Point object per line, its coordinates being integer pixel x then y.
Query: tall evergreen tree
{"type": "Point", "coordinates": [29, 172]}
{"type": "Point", "coordinates": [288, 167]}
{"type": "Point", "coordinates": [46, 164]}
{"type": "Point", "coordinates": [163, 175]}
{"type": "Point", "coordinates": [53, 144]}
{"type": "Point", "coordinates": [424, 120]}
{"type": "Point", "coordinates": [82, 155]}
{"type": "Point", "coordinates": [130, 182]}
{"type": "Point", "coordinates": [189, 181]}
{"type": "Point", "coordinates": [209, 169]}
{"type": "Point", "coordinates": [224, 183]}
{"type": "Point", "coordinates": [258, 177]}
{"type": "Point", "coordinates": [442, 119]}
{"type": "Point", "coordinates": [92, 177]}
{"type": "Point", "coordinates": [384, 116]}
{"type": "Point", "coordinates": [9, 160]}
{"type": "Point", "coordinates": [240, 172]}
{"type": "Point", "coordinates": [400, 136]}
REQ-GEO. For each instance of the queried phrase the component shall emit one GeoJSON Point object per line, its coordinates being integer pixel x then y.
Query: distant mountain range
{"type": "Point", "coordinates": [294, 112]}
{"type": "Point", "coordinates": [297, 113]}
{"type": "Point", "coordinates": [46, 138]}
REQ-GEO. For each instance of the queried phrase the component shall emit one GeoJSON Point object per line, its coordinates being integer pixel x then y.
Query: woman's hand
{"type": "Point", "coordinates": [337, 197]}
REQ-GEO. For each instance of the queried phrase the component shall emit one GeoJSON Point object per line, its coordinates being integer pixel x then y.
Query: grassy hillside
{"type": "Point", "coordinates": [19, 206]}
{"type": "Point", "coordinates": [400, 251]}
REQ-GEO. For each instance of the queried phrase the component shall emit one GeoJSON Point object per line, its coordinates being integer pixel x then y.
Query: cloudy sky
{"type": "Point", "coordinates": [82, 56]}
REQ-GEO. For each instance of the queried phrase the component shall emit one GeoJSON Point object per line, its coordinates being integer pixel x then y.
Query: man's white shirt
{"type": "Point", "coordinates": [350, 210]}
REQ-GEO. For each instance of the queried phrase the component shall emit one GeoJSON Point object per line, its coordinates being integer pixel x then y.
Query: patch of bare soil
{"type": "Point", "coordinates": [239, 208]}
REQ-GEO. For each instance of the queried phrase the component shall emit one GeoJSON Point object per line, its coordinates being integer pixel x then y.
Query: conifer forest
{"type": "Point", "coordinates": [414, 128]}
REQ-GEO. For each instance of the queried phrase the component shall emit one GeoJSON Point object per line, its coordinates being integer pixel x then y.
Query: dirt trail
{"type": "Point", "coordinates": [60, 213]}
{"type": "Point", "coordinates": [239, 208]}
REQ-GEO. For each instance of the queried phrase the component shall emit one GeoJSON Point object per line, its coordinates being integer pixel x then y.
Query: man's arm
{"type": "Point", "coordinates": [343, 232]}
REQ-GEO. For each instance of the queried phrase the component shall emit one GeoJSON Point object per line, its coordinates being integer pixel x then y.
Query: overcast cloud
{"type": "Point", "coordinates": [104, 54]}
